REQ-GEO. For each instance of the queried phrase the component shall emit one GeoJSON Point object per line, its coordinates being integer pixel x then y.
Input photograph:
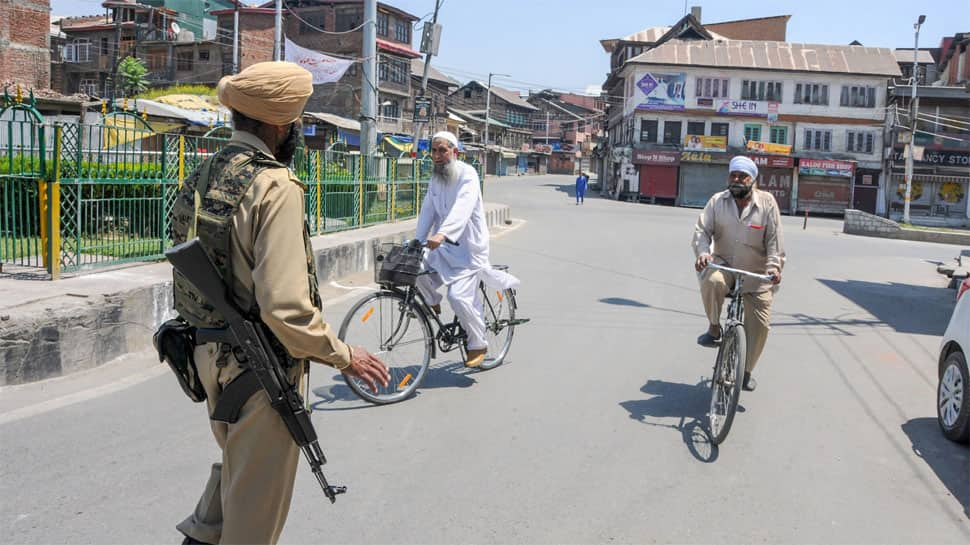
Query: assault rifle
{"type": "Point", "coordinates": [250, 340]}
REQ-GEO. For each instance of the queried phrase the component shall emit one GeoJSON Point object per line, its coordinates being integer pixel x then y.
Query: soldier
{"type": "Point", "coordinates": [246, 207]}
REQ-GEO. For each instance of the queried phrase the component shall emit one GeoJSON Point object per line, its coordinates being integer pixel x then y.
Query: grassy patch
{"type": "Point", "coordinates": [911, 227]}
{"type": "Point", "coordinates": [18, 247]}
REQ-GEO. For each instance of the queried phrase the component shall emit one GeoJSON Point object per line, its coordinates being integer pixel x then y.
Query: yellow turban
{"type": "Point", "coordinates": [271, 92]}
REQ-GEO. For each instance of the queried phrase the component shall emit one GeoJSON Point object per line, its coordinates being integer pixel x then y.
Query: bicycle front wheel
{"type": "Point", "coordinates": [398, 334]}
{"type": "Point", "coordinates": [499, 325]}
{"type": "Point", "coordinates": [726, 382]}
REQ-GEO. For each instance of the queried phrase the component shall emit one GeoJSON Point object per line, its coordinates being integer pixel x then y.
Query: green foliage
{"type": "Point", "coordinates": [134, 76]}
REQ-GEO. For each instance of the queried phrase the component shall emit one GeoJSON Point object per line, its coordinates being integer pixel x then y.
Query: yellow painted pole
{"type": "Point", "coordinates": [181, 160]}
{"type": "Point", "coordinates": [44, 215]}
{"type": "Point", "coordinates": [318, 191]}
{"type": "Point", "coordinates": [55, 206]}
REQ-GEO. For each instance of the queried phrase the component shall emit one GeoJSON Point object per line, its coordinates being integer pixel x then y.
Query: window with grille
{"type": "Point", "coordinates": [858, 96]}
{"type": "Point", "coordinates": [648, 130]}
{"type": "Point", "coordinates": [672, 132]}
{"type": "Point", "coordinates": [761, 90]}
{"type": "Point", "coordinates": [711, 88]}
{"type": "Point", "coordinates": [348, 19]}
{"type": "Point", "coordinates": [817, 140]}
{"type": "Point", "coordinates": [382, 24]}
{"type": "Point", "coordinates": [859, 141]}
{"type": "Point", "coordinates": [720, 129]}
{"type": "Point", "coordinates": [695, 128]}
{"type": "Point", "coordinates": [812, 93]}
{"type": "Point", "coordinates": [402, 31]}
{"type": "Point", "coordinates": [183, 61]}
{"type": "Point", "coordinates": [77, 51]}
{"type": "Point", "coordinates": [778, 135]}
{"type": "Point", "coordinates": [752, 133]}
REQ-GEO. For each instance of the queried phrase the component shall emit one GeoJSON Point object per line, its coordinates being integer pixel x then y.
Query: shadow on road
{"type": "Point", "coordinates": [686, 402]}
{"type": "Point", "coordinates": [623, 301]}
{"type": "Point", "coordinates": [448, 375]}
{"type": "Point", "coordinates": [570, 190]}
{"type": "Point", "coordinates": [906, 308]}
{"type": "Point", "coordinates": [950, 461]}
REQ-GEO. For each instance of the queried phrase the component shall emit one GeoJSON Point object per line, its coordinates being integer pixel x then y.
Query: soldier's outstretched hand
{"type": "Point", "coordinates": [368, 368]}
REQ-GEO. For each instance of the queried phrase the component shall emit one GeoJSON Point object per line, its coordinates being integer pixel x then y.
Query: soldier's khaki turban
{"type": "Point", "coordinates": [271, 92]}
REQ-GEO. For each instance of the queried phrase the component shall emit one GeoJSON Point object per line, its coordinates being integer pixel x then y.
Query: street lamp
{"type": "Point", "coordinates": [488, 102]}
{"type": "Point", "coordinates": [912, 119]}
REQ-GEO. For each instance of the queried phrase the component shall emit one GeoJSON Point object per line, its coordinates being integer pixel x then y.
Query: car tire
{"type": "Point", "coordinates": [953, 394]}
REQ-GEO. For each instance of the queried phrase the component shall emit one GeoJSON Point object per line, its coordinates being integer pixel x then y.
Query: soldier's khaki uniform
{"type": "Point", "coordinates": [750, 240]}
{"type": "Point", "coordinates": [248, 494]}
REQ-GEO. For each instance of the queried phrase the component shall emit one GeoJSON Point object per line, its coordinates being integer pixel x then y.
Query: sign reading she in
{"type": "Point", "coordinates": [696, 142]}
{"type": "Point", "coordinates": [649, 157]}
{"type": "Point", "coordinates": [422, 109]}
{"type": "Point", "coordinates": [767, 147]}
{"type": "Point", "coordinates": [751, 108]}
{"type": "Point", "coordinates": [661, 91]}
{"type": "Point", "coordinates": [826, 167]}
{"type": "Point", "coordinates": [772, 161]}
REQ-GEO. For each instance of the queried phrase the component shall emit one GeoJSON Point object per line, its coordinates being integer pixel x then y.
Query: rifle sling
{"type": "Point", "coordinates": [234, 396]}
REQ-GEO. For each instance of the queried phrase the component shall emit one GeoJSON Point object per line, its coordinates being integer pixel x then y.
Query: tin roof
{"type": "Point", "coordinates": [770, 55]}
{"type": "Point", "coordinates": [905, 56]}
{"type": "Point", "coordinates": [417, 70]}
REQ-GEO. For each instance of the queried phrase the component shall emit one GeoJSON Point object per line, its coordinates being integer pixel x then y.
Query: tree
{"type": "Point", "coordinates": [133, 75]}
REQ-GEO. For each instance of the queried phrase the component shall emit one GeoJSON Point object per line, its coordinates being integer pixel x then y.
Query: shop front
{"type": "Point", "coordinates": [775, 176]}
{"type": "Point", "coordinates": [825, 185]}
{"type": "Point", "coordinates": [941, 182]}
{"type": "Point", "coordinates": [702, 174]}
{"type": "Point", "coordinates": [657, 174]}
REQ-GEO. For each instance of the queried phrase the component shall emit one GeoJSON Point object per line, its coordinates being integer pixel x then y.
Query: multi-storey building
{"type": "Point", "coordinates": [812, 115]}
{"type": "Point", "coordinates": [509, 127]}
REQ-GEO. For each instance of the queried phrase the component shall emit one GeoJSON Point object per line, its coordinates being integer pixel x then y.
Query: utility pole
{"type": "Point", "coordinates": [424, 82]}
{"type": "Point", "coordinates": [913, 112]}
{"type": "Point", "coordinates": [235, 39]}
{"type": "Point", "coordinates": [488, 103]}
{"type": "Point", "coordinates": [278, 38]}
{"type": "Point", "coordinates": [368, 99]}
{"type": "Point", "coordinates": [547, 127]}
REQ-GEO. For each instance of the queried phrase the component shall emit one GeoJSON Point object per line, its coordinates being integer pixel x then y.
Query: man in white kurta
{"type": "Point", "coordinates": [452, 211]}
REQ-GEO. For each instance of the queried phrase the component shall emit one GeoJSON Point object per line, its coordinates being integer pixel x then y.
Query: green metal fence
{"type": "Point", "coordinates": [102, 194]}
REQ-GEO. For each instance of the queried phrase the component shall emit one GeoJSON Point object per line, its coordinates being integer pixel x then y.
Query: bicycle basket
{"type": "Point", "coordinates": [398, 265]}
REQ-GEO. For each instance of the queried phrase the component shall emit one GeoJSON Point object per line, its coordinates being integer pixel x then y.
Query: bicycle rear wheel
{"type": "Point", "coordinates": [396, 333]}
{"type": "Point", "coordinates": [726, 382]}
{"type": "Point", "coordinates": [499, 325]}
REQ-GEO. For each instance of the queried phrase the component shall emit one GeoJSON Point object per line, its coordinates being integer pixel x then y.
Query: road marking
{"type": "Point", "coordinates": [84, 395]}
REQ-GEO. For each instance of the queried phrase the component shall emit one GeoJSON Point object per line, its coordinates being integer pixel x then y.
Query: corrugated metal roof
{"type": "Point", "coordinates": [906, 56]}
{"type": "Point", "coordinates": [335, 120]}
{"type": "Point", "coordinates": [512, 97]}
{"type": "Point", "coordinates": [767, 55]}
{"type": "Point", "coordinates": [417, 69]}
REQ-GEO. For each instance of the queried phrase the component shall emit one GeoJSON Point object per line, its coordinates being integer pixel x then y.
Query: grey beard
{"type": "Point", "coordinates": [448, 172]}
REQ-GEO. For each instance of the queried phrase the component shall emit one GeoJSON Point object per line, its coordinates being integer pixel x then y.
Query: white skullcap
{"type": "Point", "coordinates": [446, 135]}
{"type": "Point", "coordinates": [741, 163]}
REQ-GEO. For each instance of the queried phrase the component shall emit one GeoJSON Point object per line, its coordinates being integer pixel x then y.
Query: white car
{"type": "Point", "coordinates": [953, 392]}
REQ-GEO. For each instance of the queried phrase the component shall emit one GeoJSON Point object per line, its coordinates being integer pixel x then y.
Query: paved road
{"type": "Point", "coordinates": [592, 433]}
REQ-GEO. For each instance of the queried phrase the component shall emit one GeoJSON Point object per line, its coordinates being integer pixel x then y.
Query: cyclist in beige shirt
{"type": "Point", "coordinates": [740, 228]}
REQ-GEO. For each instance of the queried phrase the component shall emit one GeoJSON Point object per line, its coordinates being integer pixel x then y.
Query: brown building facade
{"type": "Point", "coordinates": [24, 42]}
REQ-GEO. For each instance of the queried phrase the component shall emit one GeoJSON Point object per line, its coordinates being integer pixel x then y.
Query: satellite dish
{"type": "Point", "coordinates": [175, 27]}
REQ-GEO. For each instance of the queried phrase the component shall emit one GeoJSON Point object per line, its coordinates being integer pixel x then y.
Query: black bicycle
{"type": "Point", "coordinates": [728, 375]}
{"type": "Point", "coordinates": [398, 325]}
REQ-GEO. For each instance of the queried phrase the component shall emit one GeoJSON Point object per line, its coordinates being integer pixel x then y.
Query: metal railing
{"type": "Point", "coordinates": [101, 195]}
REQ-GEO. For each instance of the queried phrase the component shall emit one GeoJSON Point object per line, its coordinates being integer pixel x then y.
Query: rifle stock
{"type": "Point", "coordinates": [191, 261]}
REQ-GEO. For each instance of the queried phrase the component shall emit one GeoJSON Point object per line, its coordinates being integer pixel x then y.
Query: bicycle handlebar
{"type": "Point", "coordinates": [415, 243]}
{"type": "Point", "coordinates": [764, 277]}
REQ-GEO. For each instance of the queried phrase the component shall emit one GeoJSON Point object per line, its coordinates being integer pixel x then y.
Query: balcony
{"type": "Point", "coordinates": [394, 125]}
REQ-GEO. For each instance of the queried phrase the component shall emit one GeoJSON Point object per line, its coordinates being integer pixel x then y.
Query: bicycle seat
{"type": "Point", "coordinates": [500, 267]}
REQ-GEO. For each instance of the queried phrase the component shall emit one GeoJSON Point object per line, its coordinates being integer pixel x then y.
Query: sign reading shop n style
{"type": "Point", "coordinates": [936, 157]}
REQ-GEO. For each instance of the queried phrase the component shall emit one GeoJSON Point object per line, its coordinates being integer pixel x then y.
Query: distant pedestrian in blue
{"type": "Point", "coordinates": [581, 187]}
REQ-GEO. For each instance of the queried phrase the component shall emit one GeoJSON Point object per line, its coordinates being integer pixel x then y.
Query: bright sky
{"type": "Point", "coordinates": [549, 43]}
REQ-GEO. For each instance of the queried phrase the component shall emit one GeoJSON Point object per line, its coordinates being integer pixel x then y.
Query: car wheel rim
{"type": "Point", "coordinates": [951, 396]}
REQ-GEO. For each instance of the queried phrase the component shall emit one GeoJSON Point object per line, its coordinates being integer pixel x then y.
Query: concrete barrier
{"type": "Point", "coordinates": [861, 223]}
{"type": "Point", "coordinates": [54, 328]}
